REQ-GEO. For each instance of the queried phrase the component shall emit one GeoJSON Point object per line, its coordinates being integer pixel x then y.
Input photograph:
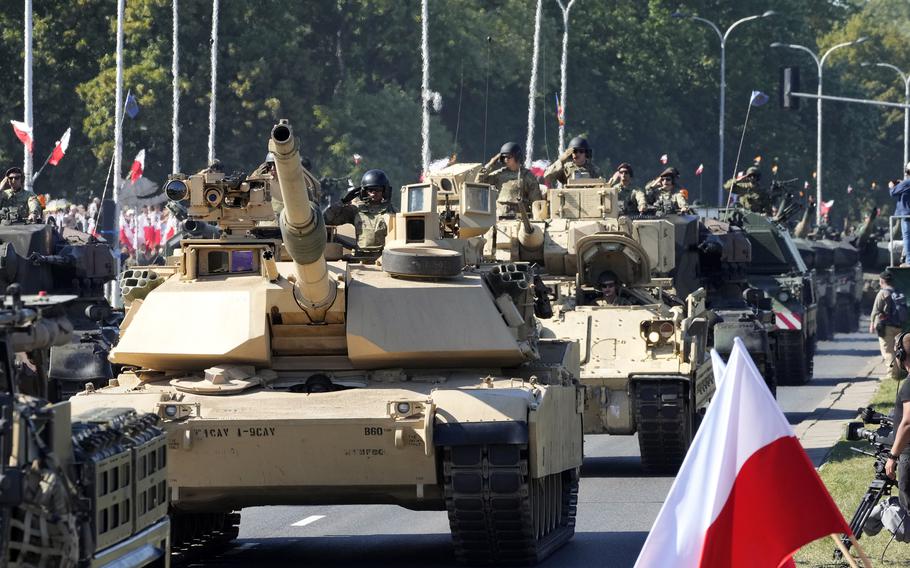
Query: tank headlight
{"type": "Point", "coordinates": [170, 411]}
{"type": "Point", "coordinates": [403, 407]}
{"type": "Point", "coordinates": [783, 296]}
{"type": "Point", "coordinates": [176, 190]}
{"type": "Point", "coordinates": [653, 337]}
{"type": "Point", "coordinates": [666, 330]}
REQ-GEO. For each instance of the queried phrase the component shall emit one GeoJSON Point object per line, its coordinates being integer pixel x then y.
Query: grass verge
{"type": "Point", "coordinates": [847, 476]}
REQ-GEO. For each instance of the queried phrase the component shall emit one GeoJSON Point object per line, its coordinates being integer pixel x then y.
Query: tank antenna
{"type": "Point", "coordinates": [215, 6]}
{"type": "Point", "coordinates": [175, 88]}
{"type": "Point", "coordinates": [425, 86]}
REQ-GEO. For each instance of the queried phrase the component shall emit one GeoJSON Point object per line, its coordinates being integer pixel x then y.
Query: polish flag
{"type": "Point", "coordinates": [138, 166]}
{"type": "Point", "coordinates": [170, 228]}
{"type": "Point", "coordinates": [538, 167]}
{"type": "Point", "coordinates": [746, 494]}
{"type": "Point", "coordinates": [700, 169]}
{"type": "Point", "coordinates": [23, 133]}
{"type": "Point", "coordinates": [825, 207]}
{"type": "Point", "coordinates": [664, 159]}
{"type": "Point", "coordinates": [60, 148]}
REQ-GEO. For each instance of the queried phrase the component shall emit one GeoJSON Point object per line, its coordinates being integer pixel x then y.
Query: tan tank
{"type": "Point", "coordinates": [644, 360]}
{"type": "Point", "coordinates": [292, 380]}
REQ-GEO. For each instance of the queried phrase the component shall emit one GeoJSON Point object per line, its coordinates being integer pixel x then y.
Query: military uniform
{"type": "Point", "coordinates": [561, 172]}
{"type": "Point", "coordinates": [751, 196]}
{"type": "Point", "coordinates": [513, 186]}
{"type": "Point", "coordinates": [663, 200]}
{"type": "Point", "coordinates": [617, 301]}
{"type": "Point", "coordinates": [370, 221]}
{"type": "Point", "coordinates": [631, 199]}
{"type": "Point", "coordinates": [23, 202]}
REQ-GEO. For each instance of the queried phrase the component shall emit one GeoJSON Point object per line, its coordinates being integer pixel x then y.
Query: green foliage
{"type": "Point", "coordinates": [348, 74]}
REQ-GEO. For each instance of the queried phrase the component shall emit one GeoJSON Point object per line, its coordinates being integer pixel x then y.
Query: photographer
{"type": "Point", "coordinates": [900, 451]}
{"type": "Point", "coordinates": [884, 321]}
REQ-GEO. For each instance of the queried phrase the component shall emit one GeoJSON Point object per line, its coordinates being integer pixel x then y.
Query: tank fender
{"type": "Point", "coordinates": [482, 416]}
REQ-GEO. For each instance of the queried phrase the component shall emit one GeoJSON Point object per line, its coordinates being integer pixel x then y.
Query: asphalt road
{"type": "Point", "coordinates": [617, 502]}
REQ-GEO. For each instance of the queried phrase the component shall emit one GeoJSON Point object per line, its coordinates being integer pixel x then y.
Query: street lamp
{"type": "Point", "coordinates": [723, 84]}
{"type": "Point", "coordinates": [819, 62]}
{"type": "Point", "coordinates": [905, 77]}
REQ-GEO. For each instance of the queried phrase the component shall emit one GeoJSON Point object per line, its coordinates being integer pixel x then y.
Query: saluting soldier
{"type": "Point", "coordinates": [370, 214]}
{"type": "Point", "coordinates": [664, 193]}
{"type": "Point", "coordinates": [575, 161]}
{"type": "Point", "coordinates": [15, 199]}
{"type": "Point", "coordinates": [631, 199]}
{"type": "Point", "coordinates": [514, 182]}
{"type": "Point", "coordinates": [749, 190]}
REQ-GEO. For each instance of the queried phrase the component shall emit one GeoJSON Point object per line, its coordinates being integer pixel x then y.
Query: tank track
{"type": "Point", "coordinates": [664, 430]}
{"type": "Point", "coordinates": [792, 359]}
{"type": "Point", "coordinates": [498, 514]}
{"type": "Point", "coordinates": [196, 536]}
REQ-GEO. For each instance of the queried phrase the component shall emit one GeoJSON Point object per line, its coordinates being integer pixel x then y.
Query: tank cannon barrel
{"type": "Point", "coordinates": [302, 226]}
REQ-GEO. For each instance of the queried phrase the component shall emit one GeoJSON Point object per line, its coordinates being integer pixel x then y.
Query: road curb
{"type": "Point", "coordinates": [824, 427]}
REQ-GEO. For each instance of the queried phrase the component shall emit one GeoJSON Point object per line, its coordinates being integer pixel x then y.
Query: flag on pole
{"type": "Point", "coordinates": [538, 167]}
{"type": "Point", "coordinates": [357, 159]}
{"type": "Point", "coordinates": [747, 493]}
{"type": "Point", "coordinates": [60, 148]}
{"type": "Point", "coordinates": [132, 105]}
{"type": "Point", "coordinates": [138, 166]}
{"type": "Point", "coordinates": [825, 207]}
{"type": "Point", "coordinates": [700, 169]}
{"type": "Point", "coordinates": [664, 159]}
{"type": "Point", "coordinates": [560, 115]}
{"type": "Point", "coordinates": [23, 133]}
{"type": "Point", "coordinates": [758, 98]}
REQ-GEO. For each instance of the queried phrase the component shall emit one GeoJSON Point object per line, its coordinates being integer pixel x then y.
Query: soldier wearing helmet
{"type": "Point", "coordinates": [367, 207]}
{"type": "Point", "coordinates": [574, 162]}
{"type": "Point", "coordinates": [17, 203]}
{"type": "Point", "coordinates": [664, 194]}
{"type": "Point", "coordinates": [631, 199]}
{"type": "Point", "coordinates": [515, 182]}
{"type": "Point", "coordinates": [749, 190]}
{"type": "Point", "coordinates": [609, 287]}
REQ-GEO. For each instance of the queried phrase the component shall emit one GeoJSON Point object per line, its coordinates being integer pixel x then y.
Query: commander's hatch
{"type": "Point", "coordinates": [584, 198]}
{"type": "Point", "coordinates": [443, 207]}
{"type": "Point", "coordinates": [616, 253]}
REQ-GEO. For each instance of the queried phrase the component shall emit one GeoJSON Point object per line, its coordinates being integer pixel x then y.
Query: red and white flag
{"type": "Point", "coordinates": [60, 148]}
{"type": "Point", "coordinates": [23, 133]}
{"type": "Point", "coordinates": [538, 167]}
{"type": "Point", "coordinates": [824, 207]}
{"type": "Point", "coordinates": [664, 159]}
{"type": "Point", "coordinates": [746, 494]}
{"type": "Point", "coordinates": [138, 166]}
{"type": "Point", "coordinates": [700, 169]}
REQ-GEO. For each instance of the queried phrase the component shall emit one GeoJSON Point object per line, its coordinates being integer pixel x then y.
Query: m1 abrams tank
{"type": "Point", "coordinates": [778, 269]}
{"type": "Point", "coordinates": [643, 359]}
{"type": "Point", "coordinates": [43, 259]}
{"type": "Point", "coordinates": [87, 490]}
{"type": "Point", "coordinates": [416, 383]}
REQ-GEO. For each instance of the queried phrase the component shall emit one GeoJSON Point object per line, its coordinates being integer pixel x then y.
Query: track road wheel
{"type": "Point", "coordinates": [665, 419]}
{"type": "Point", "coordinates": [791, 359]}
{"type": "Point", "coordinates": [498, 514]}
{"type": "Point", "coordinates": [195, 536]}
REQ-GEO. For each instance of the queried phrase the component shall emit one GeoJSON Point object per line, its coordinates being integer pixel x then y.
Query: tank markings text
{"type": "Point", "coordinates": [372, 431]}
{"type": "Point", "coordinates": [256, 432]}
{"type": "Point", "coordinates": [210, 432]}
{"type": "Point", "coordinates": [251, 432]}
{"type": "Point", "coordinates": [365, 452]}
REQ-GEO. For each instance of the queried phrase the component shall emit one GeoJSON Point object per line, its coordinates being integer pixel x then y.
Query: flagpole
{"type": "Point", "coordinates": [28, 166]}
{"type": "Point", "coordinates": [425, 86]}
{"type": "Point", "coordinates": [175, 97]}
{"type": "Point", "coordinates": [563, 69]}
{"type": "Point", "coordinates": [118, 154]}
{"type": "Point", "coordinates": [846, 553]}
{"type": "Point", "coordinates": [214, 55]}
{"type": "Point", "coordinates": [532, 89]}
{"type": "Point", "coordinates": [41, 169]}
{"type": "Point", "coordinates": [739, 151]}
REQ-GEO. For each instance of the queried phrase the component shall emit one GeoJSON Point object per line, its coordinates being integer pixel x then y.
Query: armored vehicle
{"type": "Point", "coordinates": [43, 259]}
{"type": "Point", "coordinates": [295, 380]}
{"type": "Point", "coordinates": [738, 310]}
{"type": "Point", "coordinates": [643, 356]}
{"type": "Point", "coordinates": [819, 256]}
{"type": "Point", "coordinates": [87, 490]}
{"type": "Point", "coordinates": [778, 269]}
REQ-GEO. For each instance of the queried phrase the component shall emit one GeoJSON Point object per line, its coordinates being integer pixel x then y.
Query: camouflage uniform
{"type": "Point", "coordinates": [665, 201]}
{"type": "Point", "coordinates": [631, 199]}
{"type": "Point", "coordinates": [617, 301]}
{"type": "Point", "coordinates": [513, 186]}
{"type": "Point", "coordinates": [370, 221]}
{"type": "Point", "coordinates": [23, 202]}
{"type": "Point", "coordinates": [561, 172]}
{"type": "Point", "coordinates": [751, 196]}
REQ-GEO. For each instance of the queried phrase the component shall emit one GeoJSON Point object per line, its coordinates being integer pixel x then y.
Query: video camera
{"type": "Point", "coordinates": [881, 439]}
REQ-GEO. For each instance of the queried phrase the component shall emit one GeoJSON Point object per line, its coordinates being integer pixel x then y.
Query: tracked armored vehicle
{"type": "Point", "coordinates": [86, 490]}
{"type": "Point", "coordinates": [643, 360]}
{"type": "Point", "coordinates": [42, 259]}
{"type": "Point", "coordinates": [778, 269]}
{"type": "Point", "coordinates": [416, 383]}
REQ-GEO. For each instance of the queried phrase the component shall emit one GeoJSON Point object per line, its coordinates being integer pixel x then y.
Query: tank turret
{"type": "Point", "coordinates": [302, 226]}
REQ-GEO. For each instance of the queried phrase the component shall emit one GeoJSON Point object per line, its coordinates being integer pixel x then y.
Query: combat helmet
{"type": "Point", "coordinates": [580, 142]}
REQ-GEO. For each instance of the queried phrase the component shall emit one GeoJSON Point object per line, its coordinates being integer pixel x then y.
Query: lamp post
{"type": "Point", "coordinates": [819, 62]}
{"type": "Point", "coordinates": [905, 77]}
{"type": "Point", "coordinates": [723, 84]}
